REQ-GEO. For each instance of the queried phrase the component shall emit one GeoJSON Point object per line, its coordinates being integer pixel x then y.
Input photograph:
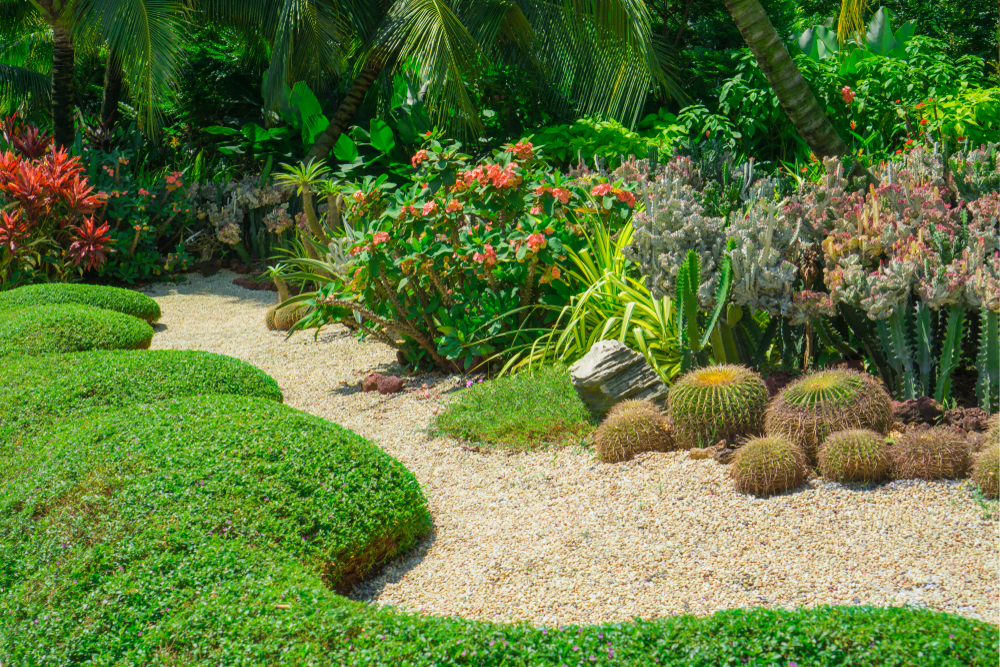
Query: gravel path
{"type": "Point", "coordinates": [557, 537]}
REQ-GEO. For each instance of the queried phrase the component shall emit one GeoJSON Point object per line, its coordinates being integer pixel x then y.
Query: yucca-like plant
{"type": "Point", "coordinates": [631, 427]}
{"type": "Point", "coordinates": [936, 453]}
{"type": "Point", "coordinates": [717, 403]}
{"type": "Point", "coordinates": [857, 455]}
{"type": "Point", "coordinates": [614, 306]}
{"type": "Point", "coordinates": [986, 471]}
{"type": "Point", "coordinates": [768, 465]}
{"type": "Point", "coordinates": [824, 402]}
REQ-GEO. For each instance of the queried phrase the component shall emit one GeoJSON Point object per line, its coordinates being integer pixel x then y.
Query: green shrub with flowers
{"type": "Point", "coordinates": [449, 269]}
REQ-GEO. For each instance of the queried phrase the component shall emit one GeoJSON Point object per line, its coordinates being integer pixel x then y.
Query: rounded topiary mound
{"type": "Point", "coordinates": [717, 403]}
{"type": "Point", "coordinates": [38, 389]}
{"type": "Point", "coordinates": [768, 465]}
{"type": "Point", "coordinates": [125, 301]}
{"type": "Point", "coordinates": [164, 480]}
{"type": "Point", "coordinates": [283, 319]}
{"type": "Point", "coordinates": [821, 403]}
{"type": "Point", "coordinates": [935, 453]}
{"type": "Point", "coordinates": [632, 427]}
{"type": "Point", "coordinates": [857, 455]}
{"type": "Point", "coordinates": [986, 470]}
{"type": "Point", "coordinates": [69, 328]}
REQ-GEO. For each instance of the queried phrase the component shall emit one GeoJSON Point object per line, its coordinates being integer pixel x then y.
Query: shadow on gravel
{"type": "Point", "coordinates": [392, 572]}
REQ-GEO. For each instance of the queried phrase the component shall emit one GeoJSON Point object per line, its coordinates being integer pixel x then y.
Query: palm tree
{"type": "Point", "coordinates": [599, 55]}
{"type": "Point", "coordinates": [794, 94]}
{"type": "Point", "coordinates": [143, 38]}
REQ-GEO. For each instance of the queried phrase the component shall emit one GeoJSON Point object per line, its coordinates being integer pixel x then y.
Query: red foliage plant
{"type": "Point", "coordinates": [26, 139]}
{"type": "Point", "coordinates": [48, 224]}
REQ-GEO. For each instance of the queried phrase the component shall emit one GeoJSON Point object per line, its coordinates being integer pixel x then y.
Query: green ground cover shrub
{"type": "Point", "coordinates": [35, 390]}
{"type": "Point", "coordinates": [125, 301]}
{"type": "Point", "coordinates": [69, 328]}
{"type": "Point", "coordinates": [524, 410]}
{"type": "Point", "coordinates": [174, 495]}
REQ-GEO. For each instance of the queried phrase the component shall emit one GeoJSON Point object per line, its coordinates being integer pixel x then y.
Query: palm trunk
{"type": "Point", "coordinates": [785, 78]}
{"type": "Point", "coordinates": [355, 96]}
{"type": "Point", "coordinates": [63, 102]}
{"type": "Point", "coordinates": [112, 91]}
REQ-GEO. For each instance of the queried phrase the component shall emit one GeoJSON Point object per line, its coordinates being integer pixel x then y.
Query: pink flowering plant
{"type": "Point", "coordinates": [450, 269]}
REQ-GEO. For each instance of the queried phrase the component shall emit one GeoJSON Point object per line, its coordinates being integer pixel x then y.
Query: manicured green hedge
{"type": "Point", "coordinates": [34, 390]}
{"type": "Point", "coordinates": [125, 301]}
{"type": "Point", "coordinates": [69, 328]}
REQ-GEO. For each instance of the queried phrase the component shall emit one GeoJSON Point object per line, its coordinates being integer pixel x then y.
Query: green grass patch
{"type": "Point", "coordinates": [69, 328]}
{"type": "Point", "coordinates": [35, 391]}
{"type": "Point", "coordinates": [529, 409]}
{"type": "Point", "coordinates": [121, 300]}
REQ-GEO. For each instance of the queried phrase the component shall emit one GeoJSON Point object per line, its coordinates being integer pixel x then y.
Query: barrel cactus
{"type": "Point", "coordinates": [717, 403]}
{"type": "Point", "coordinates": [824, 402]}
{"type": "Point", "coordinates": [632, 427]}
{"type": "Point", "coordinates": [768, 465]}
{"type": "Point", "coordinates": [935, 453]}
{"type": "Point", "coordinates": [283, 319]}
{"type": "Point", "coordinates": [857, 455]}
{"type": "Point", "coordinates": [986, 471]}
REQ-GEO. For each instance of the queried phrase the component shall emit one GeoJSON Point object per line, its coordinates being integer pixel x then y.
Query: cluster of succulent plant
{"type": "Point", "coordinates": [768, 465]}
{"type": "Point", "coordinates": [856, 455]}
{"type": "Point", "coordinates": [670, 224]}
{"type": "Point", "coordinates": [223, 206]}
{"type": "Point", "coordinates": [911, 256]}
{"type": "Point", "coordinates": [828, 401]}
{"type": "Point", "coordinates": [631, 427]}
{"type": "Point", "coordinates": [716, 403]}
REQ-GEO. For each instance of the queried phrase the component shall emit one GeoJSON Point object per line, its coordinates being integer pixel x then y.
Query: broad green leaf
{"type": "Point", "coordinates": [880, 38]}
{"type": "Point", "coordinates": [224, 131]}
{"type": "Point", "coordinates": [305, 101]}
{"type": "Point", "coordinates": [381, 136]}
{"type": "Point", "coordinates": [345, 149]}
{"type": "Point", "coordinates": [314, 126]}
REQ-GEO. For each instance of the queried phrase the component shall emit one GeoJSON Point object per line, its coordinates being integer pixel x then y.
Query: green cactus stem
{"type": "Point", "coordinates": [988, 362]}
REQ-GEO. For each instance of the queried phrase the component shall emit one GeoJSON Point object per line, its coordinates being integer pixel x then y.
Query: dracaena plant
{"type": "Point", "coordinates": [450, 268]}
{"type": "Point", "coordinates": [47, 227]}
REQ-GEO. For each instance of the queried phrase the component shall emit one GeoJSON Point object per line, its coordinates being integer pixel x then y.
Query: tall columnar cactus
{"type": "Point", "coordinates": [988, 362]}
{"type": "Point", "coordinates": [692, 336]}
{"type": "Point", "coordinates": [825, 402]}
{"type": "Point", "coordinates": [717, 403]}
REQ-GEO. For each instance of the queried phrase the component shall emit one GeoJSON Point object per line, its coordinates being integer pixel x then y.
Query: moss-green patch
{"type": "Point", "coordinates": [69, 328]}
{"type": "Point", "coordinates": [524, 410]}
{"type": "Point", "coordinates": [121, 300]}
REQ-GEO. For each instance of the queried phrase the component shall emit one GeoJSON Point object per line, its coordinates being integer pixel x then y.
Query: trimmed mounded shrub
{"type": "Point", "coordinates": [717, 403]}
{"type": "Point", "coordinates": [935, 453]}
{"type": "Point", "coordinates": [768, 465]}
{"type": "Point", "coordinates": [69, 328]}
{"type": "Point", "coordinates": [857, 455]}
{"type": "Point", "coordinates": [283, 319]}
{"type": "Point", "coordinates": [202, 469]}
{"type": "Point", "coordinates": [35, 390]}
{"type": "Point", "coordinates": [824, 402]}
{"type": "Point", "coordinates": [125, 301]}
{"type": "Point", "coordinates": [632, 427]}
{"type": "Point", "coordinates": [986, 470]}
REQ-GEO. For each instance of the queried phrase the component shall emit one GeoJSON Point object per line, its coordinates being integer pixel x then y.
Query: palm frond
{"type": "Point", "coordinates": [428, 35]}
{"type": "Point", "coordinates": [147, 36]}
{"type": "Point", "coordinates": [23, 89]}
{"type": "Point", "coordinates": [852, 20]}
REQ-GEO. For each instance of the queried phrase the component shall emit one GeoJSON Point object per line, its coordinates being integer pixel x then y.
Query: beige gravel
{"type": "Point", "coordinates": [558, 537]}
